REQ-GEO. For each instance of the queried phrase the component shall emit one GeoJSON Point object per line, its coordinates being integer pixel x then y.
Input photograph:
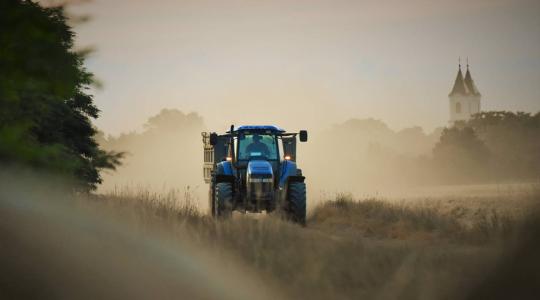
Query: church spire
{"type": "Point", "coordinates": [464, 99]}
{"type": "Point", "coordinates": [459, 84]}
{"type": "Point", "coordinates": [469, 82]}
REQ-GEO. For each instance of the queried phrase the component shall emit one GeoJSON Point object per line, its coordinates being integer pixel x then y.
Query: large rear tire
{"type": "Point", "coordinates": [223, 196]}
{"type": "Point", "coordinates": [296, 210]}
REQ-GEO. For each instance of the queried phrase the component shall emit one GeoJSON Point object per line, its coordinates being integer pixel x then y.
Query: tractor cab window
{"type": "Point", "coordinates": [257, 146]}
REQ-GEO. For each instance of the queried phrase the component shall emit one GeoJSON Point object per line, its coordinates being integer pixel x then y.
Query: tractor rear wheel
{"type": "Point", "coordinates": [223, 197]}
{"type": "Point", "coordinates": [297, 202]}
{"type": "Point", "coordinates": [211, 201]}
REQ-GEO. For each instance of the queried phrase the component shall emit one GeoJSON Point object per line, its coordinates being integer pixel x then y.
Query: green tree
{"type": "Point", "coordinates": [45, 110]}
{"type": "Point", "coordinates": [513, 140]}
{"type": "Point", "coordinates": [173, 120]}
{"type": "Point", "coordinates": [460, 154]}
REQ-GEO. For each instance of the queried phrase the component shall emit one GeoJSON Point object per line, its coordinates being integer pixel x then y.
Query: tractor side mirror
{"type": "Point", "coordinates": [213, 138]}
{"type": "Point", "coordinates": [303, 136]}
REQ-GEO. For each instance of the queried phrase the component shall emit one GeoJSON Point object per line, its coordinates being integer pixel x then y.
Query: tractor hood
{"type": "Point", "coordinates": [259, 168]}
{"type": "Point", "coordinates": [259, 182]}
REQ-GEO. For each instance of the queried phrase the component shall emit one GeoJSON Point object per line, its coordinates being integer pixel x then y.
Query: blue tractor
{"type": "Point", "coordinates": [253, 169]}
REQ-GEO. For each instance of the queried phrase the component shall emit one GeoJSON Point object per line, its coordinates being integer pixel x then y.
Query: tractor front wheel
{"type": "Point", "coordinates": [223, 197]}
{"type": "Point", "coordinates": [297, 202]}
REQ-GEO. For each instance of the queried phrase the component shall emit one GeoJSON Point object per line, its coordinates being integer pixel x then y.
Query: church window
{"type": "Point", "coordinates": [458, 108]}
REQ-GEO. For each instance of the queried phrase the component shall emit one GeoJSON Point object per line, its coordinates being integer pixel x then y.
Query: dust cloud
{"type": "Point", "coordinates": [55, 245]}
{"type": "Point", "coordinates": [166, 155]}
{"type": "Point", "coordinates": [364, 157]}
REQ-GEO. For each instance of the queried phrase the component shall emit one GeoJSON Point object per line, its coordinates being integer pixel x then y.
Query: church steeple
{"type": "Point", "coordinates": [459, 84]}
{"type": "Point", "coordinates": [464, 98]}
{"type": "Point", "coordinates": [469, 82]}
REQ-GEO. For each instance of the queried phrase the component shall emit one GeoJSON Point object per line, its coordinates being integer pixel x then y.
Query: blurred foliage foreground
{"type": "Point", "coordinates": [45, 110]}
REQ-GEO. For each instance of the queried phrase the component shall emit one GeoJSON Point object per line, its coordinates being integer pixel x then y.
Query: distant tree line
{"type": "Point", "coordinates": [494, 145]}
{"type": "Point", "coordinates": [45, 110]}
{"type": "Point", "coordinates": [366, 155]}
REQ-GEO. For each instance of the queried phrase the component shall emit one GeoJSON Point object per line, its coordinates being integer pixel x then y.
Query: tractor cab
{"type": "Point", "coordinates": [257, 145]}
{"type": "Point", "coordinates": [258, 152]}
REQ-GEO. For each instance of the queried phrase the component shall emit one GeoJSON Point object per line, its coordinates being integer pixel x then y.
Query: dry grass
{"type": "Point", "coordinates": [424, 220]}
{"type": "Point", "coordinates": [351, 249]}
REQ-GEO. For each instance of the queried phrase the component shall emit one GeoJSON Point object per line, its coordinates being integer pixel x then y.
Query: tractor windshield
{"type": "Point", "coordinates": [257, 146]}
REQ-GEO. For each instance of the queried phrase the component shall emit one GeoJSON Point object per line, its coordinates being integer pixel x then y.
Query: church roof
{"type": "Point", "coordinates": [459, 85]}
{"type": "Point", "coordinates": [469, 83]}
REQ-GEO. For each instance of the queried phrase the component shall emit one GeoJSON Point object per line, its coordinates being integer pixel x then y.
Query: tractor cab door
{"type": "Point", "coordinates": [289, 147]}
{"type": "Point", "coordinates": [221, 149]}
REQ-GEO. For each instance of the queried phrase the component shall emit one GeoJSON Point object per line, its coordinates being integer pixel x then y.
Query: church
{"type": "Point", "coordinates": [464, 97]}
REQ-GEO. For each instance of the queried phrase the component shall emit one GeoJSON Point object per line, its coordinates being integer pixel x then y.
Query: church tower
{"type": "Point", "coordinates": [464, 97]}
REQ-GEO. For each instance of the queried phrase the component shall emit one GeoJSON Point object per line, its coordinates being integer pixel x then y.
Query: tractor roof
{"type": "Point", "coordinates": [260, 127]}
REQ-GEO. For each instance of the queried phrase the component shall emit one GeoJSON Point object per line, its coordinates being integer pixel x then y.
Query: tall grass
{"type": "Point", "coordinates": [368, 248]}
{"type": "Point", "coordinates": [134, 244]}
{"type": "Point", "coordinates": [417, 221]}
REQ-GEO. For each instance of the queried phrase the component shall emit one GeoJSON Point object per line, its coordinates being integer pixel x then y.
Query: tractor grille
{"type": "Point", "coordinates": [261, 190]}
{"type": "Point", "coordinates": [260, 187]}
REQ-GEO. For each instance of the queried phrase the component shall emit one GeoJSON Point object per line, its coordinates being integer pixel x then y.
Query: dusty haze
{"type": "Point", "coordinates": [363, 157]}
{"type": "Point", "coordinates": [358, 156]}
{"type": "Point", "coordinates": [399, 206]}
{"type": "Point", "coordinates": [307, 64]}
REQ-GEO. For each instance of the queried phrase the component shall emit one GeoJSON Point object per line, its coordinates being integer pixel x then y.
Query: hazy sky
{"type": "Point", "coordinates": [308, 64]}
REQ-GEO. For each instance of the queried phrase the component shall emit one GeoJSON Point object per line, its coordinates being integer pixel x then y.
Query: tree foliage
{"type": "Point", "coordinates": [513, 139]}
{"type": "Point", "coordinates": [460, 153]}
{"type": "Point", "coordinates": [173, 120]}
{"type": "Point", "coordinates": [494, 145]}
{"type": "Point", "coordinates": [45, 110]}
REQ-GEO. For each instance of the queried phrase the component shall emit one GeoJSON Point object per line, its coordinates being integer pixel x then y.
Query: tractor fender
{"type": "Point", "coordinates": [224, 172]}
{"type": "Point", "coordinates": [289, 172]}
{"type": "Point", "coordinates": [224, 168]}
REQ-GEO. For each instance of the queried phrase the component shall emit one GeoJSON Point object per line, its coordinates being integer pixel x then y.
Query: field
{"type": "Point", "coordinates": [136, 244]}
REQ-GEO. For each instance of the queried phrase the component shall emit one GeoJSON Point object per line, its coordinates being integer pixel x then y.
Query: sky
{"type": "Point", "coordinates": [307, 64]}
